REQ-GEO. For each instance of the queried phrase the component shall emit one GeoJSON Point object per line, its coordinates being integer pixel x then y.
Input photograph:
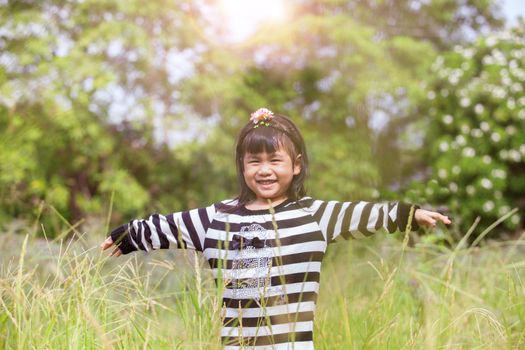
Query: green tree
{"type": "Point", "coordinates": [63, 65]}
{"type": "Point", "coordinates": [336, 72]}
{"type": "Point", "coordinates": [476, 144]}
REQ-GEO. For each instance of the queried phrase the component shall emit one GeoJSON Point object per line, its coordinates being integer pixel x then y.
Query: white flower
{"type": "Point", "coordinates": [506, 81]}
{"type": "Point", "coordinates": [522, 149]}
{"type": "Point", "coordinates": [484, 126]}
{"type": "Point", "coordinates": [499, 92]}
{"type": "Point", "coordinates": [469, 152]}
{"type": "Point", "coordinates": [456, 169]}
{"type": "Point", "coordinates": [487, 159]}
{"type": "Point", "coordinates": [453, 79]}
{"type": "Point", "coordinates": [442, 173]}
{"type": "Point", "coordinates": [511, 104]}
{"type": "Point", "coordinates": [515, 219]}
{"type": "Point", "coordinates": [495, 137]}
{"type": "Point", "coordinates": [431, 95]}
{"type": "Point", "coordinates": [464, 102]}
{"type": "Point", "coordinates": [468, 53]}
{"type": "Point", "coordinates": [443, 146]}
{"type": "Point", "coordinates": [476, 133]}
{"type": "Point", "coordinates": [487, 60]}
{"type": "Point", "coordinates": [460, 139]}
{"type": "Point", "coordinates": [478, 108]}
{"type": "Point", "coordinates": [453, 187]}
{"type": "Point", "coordinates": [521, 114]}
{"type": "Point", "coordinates": [516, 87]}
{"type": "Point", "coordinates": [429, 191]}
{"type": "Point", "coordinates": [504, 209]}
{"type": "Point", "coordinates": [470, 190]}
{"type": "Point", "coordinates": [491, 41]}
{"type": "Point", "coordinates": [521, 100]}
{"type": "Point", "coordinates": [488, 206]}
{"type": "Point", "coordinates": [465, 128]}
{"type": "Point", "coordinates": [486, 183]}
{"type": "Point", "coordinates": [499, 173]}
{"type": "Point", "coordinates": [447, 119]}
{"type": "Point", "coordinates": [503, 154]}
{"type": "Point", "coordinates": [514, 155]}
{"type": "Point", "coordinates": [499, 57]}
{"type": "Point", "coordinates": [511, 129]}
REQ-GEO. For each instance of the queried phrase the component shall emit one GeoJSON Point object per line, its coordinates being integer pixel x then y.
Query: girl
{"type": "Point", "coordinates": [269, 242]}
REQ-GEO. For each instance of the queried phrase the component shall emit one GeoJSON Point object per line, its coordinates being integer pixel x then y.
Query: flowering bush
{"type": "Point", "coordinates": [476, 135]}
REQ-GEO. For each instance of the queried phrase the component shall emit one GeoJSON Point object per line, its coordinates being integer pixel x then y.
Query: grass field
{"type": "Point", "coordinates": [376, 293]}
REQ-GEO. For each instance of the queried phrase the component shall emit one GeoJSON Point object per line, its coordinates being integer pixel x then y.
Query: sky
{"type": "Point", "coordinates": [513, 8]}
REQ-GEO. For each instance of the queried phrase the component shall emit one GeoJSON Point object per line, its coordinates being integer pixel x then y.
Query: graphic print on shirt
{"type": "Point", "coordinates": [251, 266]}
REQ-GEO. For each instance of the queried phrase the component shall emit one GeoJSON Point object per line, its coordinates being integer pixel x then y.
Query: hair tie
{"type": "Point", "coordinates": [262, 116]}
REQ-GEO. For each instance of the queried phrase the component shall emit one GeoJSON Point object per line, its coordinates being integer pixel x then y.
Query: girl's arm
{"type": "Point", "coordinates": [357, 219]}
{"type": "Point", "coordinates": [178, 230]}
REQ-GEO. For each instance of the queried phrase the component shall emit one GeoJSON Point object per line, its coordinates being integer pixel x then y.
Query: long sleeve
{"type": "Point", "coordinates": [185, 229]}
{"type": "Point", "coordinates": [357, 219]}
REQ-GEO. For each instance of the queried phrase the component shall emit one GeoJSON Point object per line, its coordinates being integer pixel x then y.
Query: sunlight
{"type": "Point", "coordinates": [243, 17]}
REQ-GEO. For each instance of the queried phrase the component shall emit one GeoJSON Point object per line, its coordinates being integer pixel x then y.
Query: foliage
{"type": "Point", "coordinates": [63, 64]}
{"type": "Point", "coordinates": [476, 144]}
{"type": "Point", "coordinates": [91, 92]}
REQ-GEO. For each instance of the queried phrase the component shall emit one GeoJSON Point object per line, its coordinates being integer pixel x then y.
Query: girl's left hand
{"type": "Point", "coordinates": [108, 243]}
{"type": "Point", "coordinates": [430, 218]}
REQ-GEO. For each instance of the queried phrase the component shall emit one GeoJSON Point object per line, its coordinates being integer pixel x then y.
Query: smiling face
{"type": "Point", "coordinates": [269, 175]}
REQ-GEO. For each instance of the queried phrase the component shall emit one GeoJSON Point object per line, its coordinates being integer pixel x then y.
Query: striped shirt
{"type": "Point", "coordinates": [269, 263]}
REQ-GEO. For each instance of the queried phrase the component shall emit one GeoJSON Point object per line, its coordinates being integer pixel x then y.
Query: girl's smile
{"type": "Point", "coordinates": [269, 175]}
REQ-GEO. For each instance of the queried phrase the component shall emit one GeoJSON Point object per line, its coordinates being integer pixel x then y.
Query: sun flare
{"type": "Point", "coordinates": [242, 17]}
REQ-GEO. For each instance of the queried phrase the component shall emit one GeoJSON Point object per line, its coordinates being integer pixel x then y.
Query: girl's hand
{"type": "Point", "coordinates": [430, 218]}
{"type": "Point", "coordinates": [107, 244]}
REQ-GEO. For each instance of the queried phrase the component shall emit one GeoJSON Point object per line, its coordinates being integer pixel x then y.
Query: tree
{"type": "Point", "coordinates": [476, 144]}
{"type": "Point", "coordinates": [63, 64]}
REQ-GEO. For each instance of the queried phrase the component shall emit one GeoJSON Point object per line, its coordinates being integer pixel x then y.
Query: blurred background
{"type": "Point", "coordinates": [132, 107]}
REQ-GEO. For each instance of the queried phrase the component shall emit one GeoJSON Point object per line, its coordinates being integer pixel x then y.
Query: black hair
{"type": "Point", "coordinates": [281, 132]}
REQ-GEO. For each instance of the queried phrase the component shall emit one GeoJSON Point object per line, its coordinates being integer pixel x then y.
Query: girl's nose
{"type": "Point", "coordinates": [264, 169]}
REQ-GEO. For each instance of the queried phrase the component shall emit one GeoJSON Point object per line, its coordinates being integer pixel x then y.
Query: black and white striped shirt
{"type": "Point", "coordinates": [270, 264]}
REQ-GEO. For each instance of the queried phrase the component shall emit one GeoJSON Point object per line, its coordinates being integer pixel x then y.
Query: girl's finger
{"type": "Point", "coordinates": [116, 252]}
{"type": "Point", "coordinates": [443, 218]}
{"type": "Point", "coordinates": [107, 243]}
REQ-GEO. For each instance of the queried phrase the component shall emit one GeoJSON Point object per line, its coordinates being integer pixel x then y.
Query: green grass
{"type": "Point", "coordinates": [376, 293]}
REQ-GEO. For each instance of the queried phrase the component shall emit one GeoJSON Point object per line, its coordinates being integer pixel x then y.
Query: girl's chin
{"type": "Point", "coordinates": [263, 198]}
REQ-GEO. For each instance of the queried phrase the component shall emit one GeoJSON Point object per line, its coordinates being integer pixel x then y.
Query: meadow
{"type": "Point", "coordinates": [428, 291]}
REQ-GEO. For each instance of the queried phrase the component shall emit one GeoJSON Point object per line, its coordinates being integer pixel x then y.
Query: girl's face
{"type": "Point", "coordinates": [269, 175]}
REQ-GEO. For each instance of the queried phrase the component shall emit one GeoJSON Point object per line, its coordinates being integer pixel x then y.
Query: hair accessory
{"type": "Point", "coordinates": [262, 116]}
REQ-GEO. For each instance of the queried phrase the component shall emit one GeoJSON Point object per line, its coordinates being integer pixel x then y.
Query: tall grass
{"type": "Point", "coordinates": [377, 293]}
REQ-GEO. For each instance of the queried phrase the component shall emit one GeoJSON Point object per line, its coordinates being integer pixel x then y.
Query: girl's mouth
{"type": "Point", "coordinates": [266, 182]}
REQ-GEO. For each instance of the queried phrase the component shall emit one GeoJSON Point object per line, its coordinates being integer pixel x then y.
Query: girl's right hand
{"type": "Point", "coordinates": [107, 244]}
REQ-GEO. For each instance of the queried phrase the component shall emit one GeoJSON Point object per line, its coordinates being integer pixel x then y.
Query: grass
{"type": "Point", "coordinates": [376, 293]}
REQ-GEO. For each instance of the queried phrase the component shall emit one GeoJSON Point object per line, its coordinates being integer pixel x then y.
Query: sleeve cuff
{"type": "Point", "coordinates": [403, 212]}
{"type": "Point", "coordinates": [121, 237]}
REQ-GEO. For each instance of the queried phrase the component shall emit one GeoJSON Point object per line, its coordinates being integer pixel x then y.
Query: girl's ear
{"type": "Point", "coordinates": [297, 165]}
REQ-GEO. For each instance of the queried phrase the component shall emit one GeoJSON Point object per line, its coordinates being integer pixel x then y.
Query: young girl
{"type": "Point", "coordinates": [271, 273]}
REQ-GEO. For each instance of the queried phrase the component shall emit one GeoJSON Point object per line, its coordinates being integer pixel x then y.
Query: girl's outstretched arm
{"type": "Point", "coordinates": [360, 218]}
{"type": "Point", "coordinates": [178, 230]}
